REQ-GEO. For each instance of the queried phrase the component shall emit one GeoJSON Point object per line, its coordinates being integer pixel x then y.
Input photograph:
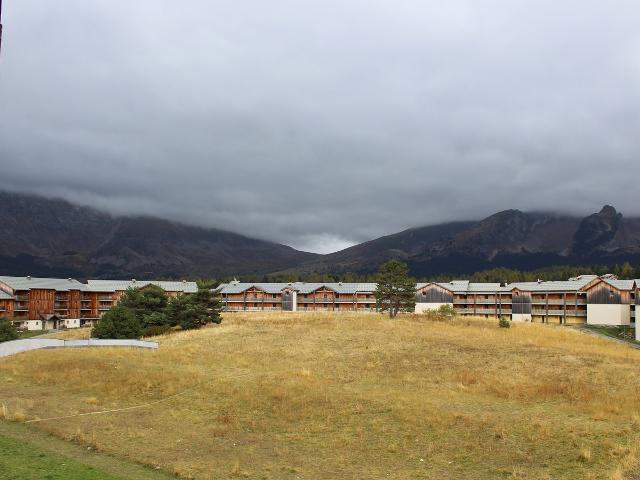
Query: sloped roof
{"type": "Point", "coordinates": [484, 287]}
{"type": "Point", "coordinates": [571, 285]}
{"type": "Point", "coordinates": [5, 296]}
{"type": "Point", "coordinates": [300, 287]}
{"type": "Point", "coordinates": [122, 285]}
{"type": "Point", "coordinates": [455, 286]}
{"type": "Point", "coordinates": [620, 284]}
{"type": "Point", "coordinates": [29, 283]}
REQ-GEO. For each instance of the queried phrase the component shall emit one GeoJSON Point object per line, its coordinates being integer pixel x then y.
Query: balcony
{"type": "Point", "coordinates": [62, 299]}
{"type": "Point", "coordinates": [560, 313]}
{"type": "Point", "coordinates": [259, 300]}
{"type": "Point", "coordinates": [22, 298]}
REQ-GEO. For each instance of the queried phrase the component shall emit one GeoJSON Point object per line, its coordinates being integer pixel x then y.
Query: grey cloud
{"type": "Point", "coordinates": [321, 124]}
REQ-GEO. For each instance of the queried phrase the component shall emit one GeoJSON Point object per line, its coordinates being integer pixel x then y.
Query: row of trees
{"type": "Point", "coordinates": [502, 274]}
{"type": "Point", "coordinates": [149, 311]}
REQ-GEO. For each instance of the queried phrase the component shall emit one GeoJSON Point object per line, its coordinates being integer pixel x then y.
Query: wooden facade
{"type": "Point", "coordinates": [562, 303]}
{"type": "Point", "coordinates": [297, 297]}
{"type": "Point", "coordinates": [29, 306]}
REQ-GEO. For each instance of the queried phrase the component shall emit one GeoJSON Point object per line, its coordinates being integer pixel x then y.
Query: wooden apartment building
{"type": "Point", "coordinates": [51, 303]}
{"type": "Point", "coordinates": [586, 299]}
{"type": "Point", "coordinates": [298, 296]}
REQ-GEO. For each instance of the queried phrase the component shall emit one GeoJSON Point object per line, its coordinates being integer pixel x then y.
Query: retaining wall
{"type": "Point", "coordinates": [19, 346]}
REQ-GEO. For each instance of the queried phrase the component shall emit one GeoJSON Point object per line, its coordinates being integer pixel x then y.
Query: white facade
{"type": "Point", "coordinates": [425, 307]}
{"type": "Point", "coordinates": [71, 322]}
{"type": "Point", "coordinates": [521, 317]}
{"type": "Point", "coordinates": [30, 325]}
{"type": "Point", "coordinates": [614, 315]}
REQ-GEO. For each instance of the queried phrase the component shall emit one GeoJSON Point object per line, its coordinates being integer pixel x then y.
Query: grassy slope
{"type": "Point", "coordinates": [26, 454]}
{"type": "Point", "coordinates": [350, 396]}
{"type": "Point", "coordinates": [614, 332]}
{"type": "Point", "coordinates": [72, 334]}
{"type": "Point", "coordinates": [32, 333]}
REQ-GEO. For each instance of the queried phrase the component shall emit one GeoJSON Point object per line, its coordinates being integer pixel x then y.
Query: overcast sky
{"type": "Point", "coordinates": [320, 124]}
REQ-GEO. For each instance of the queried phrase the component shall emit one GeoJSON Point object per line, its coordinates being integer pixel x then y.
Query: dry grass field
{"type": "Point", "coordinates": [71, 334]}
{"type": "Point", "coordinates": [323, 396]}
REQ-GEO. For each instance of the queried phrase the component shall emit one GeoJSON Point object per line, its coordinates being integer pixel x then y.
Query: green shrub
{"type": "Point", "coordinates": [504, 323]}
{"type": "Point", "coordinates": [7, 331]}
{"type": "Point", "coordinates": [447, 310]}
{"type": "Point", "coordinates": [118, 323]}
{"type": "Point", "coordinates": [156, 330]}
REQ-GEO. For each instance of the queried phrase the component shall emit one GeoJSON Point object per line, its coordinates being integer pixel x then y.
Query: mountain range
{"type": "Point", "coordinates": [41, 236]}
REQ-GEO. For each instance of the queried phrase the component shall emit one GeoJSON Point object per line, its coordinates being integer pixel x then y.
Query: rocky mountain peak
{"type": "Point", "coordinates": [596, 230]}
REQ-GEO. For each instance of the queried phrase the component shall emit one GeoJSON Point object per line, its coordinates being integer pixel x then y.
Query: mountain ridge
{"type": "Point", "coordinates": [41, 236]}
{"type": "Point", "coordinates": [53, 237]}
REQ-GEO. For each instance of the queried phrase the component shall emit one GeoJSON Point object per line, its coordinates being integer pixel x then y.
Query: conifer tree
{"type": "Point", "coordinates": [396, 291]}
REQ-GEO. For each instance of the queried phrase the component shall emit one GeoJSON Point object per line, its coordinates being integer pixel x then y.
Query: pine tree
{"type": "Point", "coordinates": [396, 291]}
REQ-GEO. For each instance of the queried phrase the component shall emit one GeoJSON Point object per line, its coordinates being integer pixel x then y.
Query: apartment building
{"type": "Point", "coordinates": [42, 303]}
{"type": "Point", "coordinates": [586, 299]}
{"type": "Point", "coordinates": [51, 303]}
{"type": "Point", "coordinates": [298, 296]}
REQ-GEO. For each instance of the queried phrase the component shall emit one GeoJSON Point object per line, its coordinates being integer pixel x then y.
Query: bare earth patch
{"type": "Point", "coordinates": [324, 396]}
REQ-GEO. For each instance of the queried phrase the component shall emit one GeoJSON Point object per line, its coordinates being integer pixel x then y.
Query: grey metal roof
{"type": "Point", "coordinates": [484, 287]}
{"type": "Point", "coordinates": [5, 296]}
{"type": "Point", "coordinates": [300, 287]}
{"type": "Point", "coordinates": [620, 284]}
{"type": "Point", "coordinates": [28, 283]}
{"type": "Point", "coordinates": [121, 285]}
{"type": "Point", "coordinates": [455, 286]}
{"type": "Point", "coordinates": [553, 286]}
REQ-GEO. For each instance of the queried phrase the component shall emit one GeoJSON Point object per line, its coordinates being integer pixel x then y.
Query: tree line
{"type": "Point", "coordinates": [494, 275]}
